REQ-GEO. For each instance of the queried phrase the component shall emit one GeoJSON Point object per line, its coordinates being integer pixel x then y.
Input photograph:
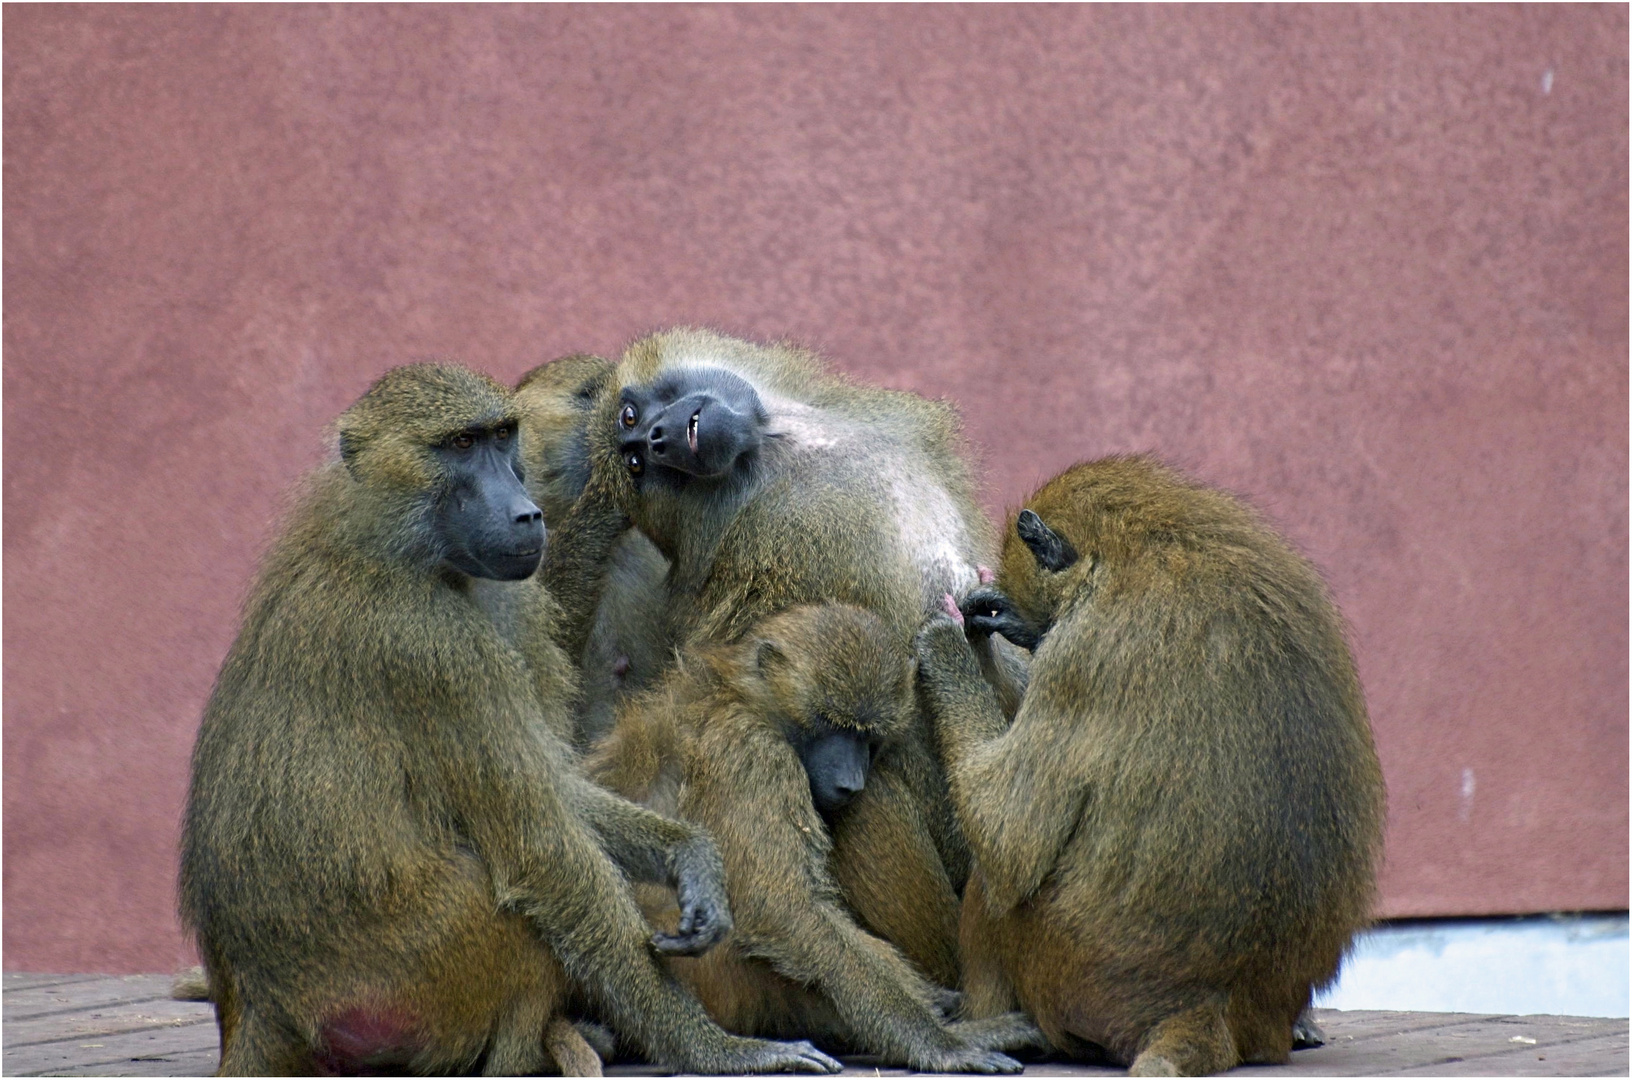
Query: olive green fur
{"type": "Point", "coordinates": [1186, 814]}
{"type": "Point", "coordinates": [384, 814]}
{"type": "Point", "coordinates": [819, 520]}
{"type": "Point", "coordinates": [557, 401]}
{"type": "Point", "coordinates": [859, 495]}
{"type": "Point", "coordinates": [713, 744]}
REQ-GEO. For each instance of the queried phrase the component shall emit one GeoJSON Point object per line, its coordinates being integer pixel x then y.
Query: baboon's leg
{"type": "Point", "coordinates": [226, 1014]}
{"type": "Point", "coordinates": [571, 1051]}
{"type": "Point", "coordinates": [257, 1047]}
{"type": "Point", "coordinates": [1196, 1042]}
{"type": "Point", "coordinates": [987, 990]}
{"type": "Point", "coordinates": [1306, 1033]}
{"type": "Point", "coordinates": [1262, 1036]}
{"type": "Point", "coordinates": [600, 937]}
{"type": "Point", "coordinates": [518, 1039]}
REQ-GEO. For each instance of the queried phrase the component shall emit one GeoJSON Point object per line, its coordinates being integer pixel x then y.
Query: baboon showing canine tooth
{"type": "Point", "coordinates": [1186, 814]}
{"type": "Point", "coordinates": [769, 482]}
{"type": "Point", "coordinates": [627, 647]}
{"type": "Point", "coordinates": [766, 743]}
{"type": "Point", "coordinates": [389, 858]}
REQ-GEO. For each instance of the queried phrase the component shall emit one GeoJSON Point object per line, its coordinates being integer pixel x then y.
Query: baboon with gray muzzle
{"type": "Point", "coordinates": [389, 857]}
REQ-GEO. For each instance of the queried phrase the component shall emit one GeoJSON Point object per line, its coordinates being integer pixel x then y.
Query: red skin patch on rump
{"type": "Point", "coordinates": [369, 1041]}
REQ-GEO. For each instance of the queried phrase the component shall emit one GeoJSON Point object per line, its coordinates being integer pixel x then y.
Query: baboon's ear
{"type": "Point", "coordinates": [350, 446]}
{"type": "Point", "coordinates": [1052, 551]}
{"type": "Point", "coordinates": [768, 658]}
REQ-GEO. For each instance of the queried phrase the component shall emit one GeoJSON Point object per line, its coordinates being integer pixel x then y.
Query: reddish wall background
{"type": "Point", "coordinates": [1367, 266]}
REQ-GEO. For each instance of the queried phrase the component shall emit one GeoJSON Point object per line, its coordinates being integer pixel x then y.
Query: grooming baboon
{"type": "Point", "coordinates": [1186, 813]}
{"type": "Point", "coordinates": [769, 482]}
{"type": "Point", "coordinates": [767, 743]}
{"type": "Point", "coordinates": [627, 645]}
{"type": "Point", "coordinates": [389, 858]}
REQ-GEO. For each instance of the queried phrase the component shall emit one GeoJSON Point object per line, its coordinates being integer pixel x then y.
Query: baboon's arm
{"type": "Point", "coordinates": [650, 847]}
{"type": "Point", "coordinates": [755, 798]}
{"type": "Point", "coordinates": [548, 866]}
{"type": "Point", "coordinates": [1006, 668]}
{"type": "Point", "coordinates": [962, 704]}
{"type": "Point", "coordinates": [538, 822]}
{"type": "Point", "coordinates": [877, 994]}
{"type": "Point", "coordinates": [577, 559]}
{"type": "Point", "coordinates": [637, 839]}
{"type": "Point", "coordinates": [1017, 790]}
{"type": "Point", "coordinates": [632, 757]}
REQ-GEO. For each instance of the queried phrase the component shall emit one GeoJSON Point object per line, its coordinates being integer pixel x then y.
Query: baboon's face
{"type": "Point", "coordinates": [837, 761]}
{"type": "Point", "coordinates": [843, 709]}
{"type": "Point", "coordinates": [689, 423]}
{"type": "Point", "coordinates": [835, 682]}
{"type": "Point", "coordinates": [487, 525]}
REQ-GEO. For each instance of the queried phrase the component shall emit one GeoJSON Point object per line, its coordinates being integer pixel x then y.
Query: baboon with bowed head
{"type": "Point", "coordinates": [627, 646]}
{"type": "Point", "coordinates": [389, 859]}
{"type": "Point", "coordinates": [767, 743]}
{"type": "Point", "coordinates": [769, 482]}
{"type": "Point", "coordinates": [1186, 814]}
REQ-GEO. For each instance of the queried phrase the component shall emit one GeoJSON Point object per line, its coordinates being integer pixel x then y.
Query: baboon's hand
{"type": "Point", "coordinates": [764, 1056]}
{"type": "Point", "coordinates": [1009, 1031]}
{"type": "Point", "coordinates": [987, 611]}
{"type": "Point", "coordinates": [941, 642]}
{"type": "Point", "coordinates": [705, 914]}
{"type": "Point", "coordinates": [1306, 1033]}
{"type": "Point", "coordinates": [969, 1059]}
{"type": "Point", "coordinates": [946, 1002]}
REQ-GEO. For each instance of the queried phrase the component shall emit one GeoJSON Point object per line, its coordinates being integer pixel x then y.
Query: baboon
{"type": "Point", "coordinates": [1186, 813]}
{"type": "Point", "coordinates": [389, 856]}
{"type": "Point", "coordinates": [766, 743]}
{"type": "Point", "coordinates": [627, 645]}
{"type": "Point", "coordinates": [769, 482]}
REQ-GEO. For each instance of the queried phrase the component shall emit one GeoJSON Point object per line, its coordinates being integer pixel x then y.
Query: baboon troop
{"type": "Point", "coordinates": [664, 709]}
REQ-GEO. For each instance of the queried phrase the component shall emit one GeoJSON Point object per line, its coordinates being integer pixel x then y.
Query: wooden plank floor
{"type": "Point", "coordinates": [126, 1025]}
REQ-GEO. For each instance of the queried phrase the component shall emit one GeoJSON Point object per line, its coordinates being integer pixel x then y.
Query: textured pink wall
{"type": "Point", "coordinates": [1367, 266]}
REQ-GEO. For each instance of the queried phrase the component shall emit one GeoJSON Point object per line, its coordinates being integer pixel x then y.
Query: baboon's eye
{"type": "Point", "coordinates": [636, 463]}
{"type": "Point", "coordinates": [501, 433]}
{"type": "Point", "coordinates": [463, 440]}
{"type": "Point", "coordinates": [629, 416]}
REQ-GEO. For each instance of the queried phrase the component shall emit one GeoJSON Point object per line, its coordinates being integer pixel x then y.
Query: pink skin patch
{"type": "Point", "coordinates": [985, 574]}
{"type": "Point", "coordinates": [363, 1042]}
{"type": "Point", "coordinates": [620, 667]}
{"type": "Point", "coordinates": [950, 606]}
